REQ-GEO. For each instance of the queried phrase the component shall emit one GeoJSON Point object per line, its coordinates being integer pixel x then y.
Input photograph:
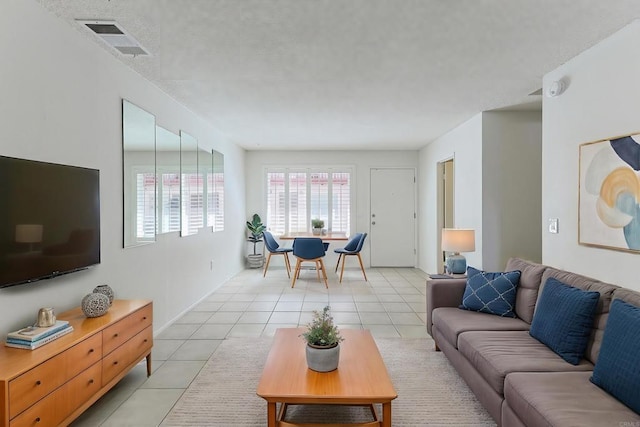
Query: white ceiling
{"type": "Point", "coordinates": [350, 74]}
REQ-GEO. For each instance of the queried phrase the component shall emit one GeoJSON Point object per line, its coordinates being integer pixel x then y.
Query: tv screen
{"type": "Point", "coordinates": [49, 220]}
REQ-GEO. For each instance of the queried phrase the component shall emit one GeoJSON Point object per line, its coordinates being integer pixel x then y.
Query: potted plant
{"type": "Point", "coordinates": [256, 228]}
{"type": "Point", "coordinates": [323, 342]}
{"type": "Point", "coordinates": [316, 226]}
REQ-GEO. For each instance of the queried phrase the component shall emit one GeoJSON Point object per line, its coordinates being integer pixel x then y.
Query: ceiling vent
{"type": "Point", "coordinates": [115, 36]}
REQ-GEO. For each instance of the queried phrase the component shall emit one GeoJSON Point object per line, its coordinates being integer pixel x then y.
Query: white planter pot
{"type": "Point", "coordinates": [323, 359]}
{"type": "Point", "coordinates": [255, 261]}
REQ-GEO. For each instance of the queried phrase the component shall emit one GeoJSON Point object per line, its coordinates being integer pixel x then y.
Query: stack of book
{"type": "Point", "coordinates": [33, 337]}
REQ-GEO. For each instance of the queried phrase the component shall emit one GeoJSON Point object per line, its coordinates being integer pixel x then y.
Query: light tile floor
{"type": "Point", "coordinates": [391, 304]}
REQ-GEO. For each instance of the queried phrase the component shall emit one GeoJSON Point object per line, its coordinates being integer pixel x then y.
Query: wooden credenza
{"type": "Point", "coordinates": [52, 385]}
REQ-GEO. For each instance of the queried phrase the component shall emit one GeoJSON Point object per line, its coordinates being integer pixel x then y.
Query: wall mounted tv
{"type": "Point", "coordinates": [49, 220]}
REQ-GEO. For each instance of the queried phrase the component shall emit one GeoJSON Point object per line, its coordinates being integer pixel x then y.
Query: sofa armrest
{"type": "Point", "coordinates": [443, 293]}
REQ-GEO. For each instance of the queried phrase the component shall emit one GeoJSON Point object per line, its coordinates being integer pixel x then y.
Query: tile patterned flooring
{"type": "Point", "coordinates": [391, 304]}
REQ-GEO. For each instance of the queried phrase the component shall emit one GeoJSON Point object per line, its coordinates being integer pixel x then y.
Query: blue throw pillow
{"type": "Point", "coordinates": [564, 318]}
{"type": "Point", "coordinates": [617, 370]}
{"type": "Point", "coordinates": [493, 293]}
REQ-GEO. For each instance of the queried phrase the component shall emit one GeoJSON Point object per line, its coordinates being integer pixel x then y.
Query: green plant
{"type": "Point", "coordinates": [317, 223]}
{"type": "Point", "coordinates": [256, 228]}
{"type": "Point", "coordinates": [321, 331]}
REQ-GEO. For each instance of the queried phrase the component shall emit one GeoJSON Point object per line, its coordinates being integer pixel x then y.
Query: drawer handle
{"type": "Point", "coordinates": [91, 381]}
{"type": "Point", "coordinates": [38, 419]}
{"type": "Point", "coordinates": [144, 318]}
{"type": "Point", "coordinates": [91, 350]}
{"type": "Point", "coordinates": [115, 363]}
{"type": "Point", "coordinates": [38, 382]}
{"type": "Point", "coordinates": [146, 340]}
{"type": "Point", "coordinates": [115, 335]}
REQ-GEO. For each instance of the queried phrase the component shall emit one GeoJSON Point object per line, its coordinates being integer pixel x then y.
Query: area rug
{"type": "Point", "coordinates": [430, 392]}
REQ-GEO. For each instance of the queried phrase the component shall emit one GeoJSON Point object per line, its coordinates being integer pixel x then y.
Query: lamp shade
{"type": "Point", "coordinates": [458, 240]}
{"type": "Point", "coordinates": [29, 233]}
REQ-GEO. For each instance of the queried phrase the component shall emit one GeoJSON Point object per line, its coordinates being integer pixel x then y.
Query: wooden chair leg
{"type": "Point", "coordinates": [287, 265]}
{"type": "Point", "coordinates": [338, 263]}
{"type": "Point", "coordinates": [318, 270]}
{"type": "Point", "coordinates": [362, 267]}
{"type": "Point", "coordinates": [324, 273]}
{"type": "Point", "coordinates": [266, 266]}
{"type": "Point", "coordinates": [296, 273]}
{"type": "Point", "coordinates": [344, 260]}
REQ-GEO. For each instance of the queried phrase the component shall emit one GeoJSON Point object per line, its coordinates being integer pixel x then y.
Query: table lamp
{"type": "Point", "coordinates": [29, 233]}
{"type": "Point", "coordinates": [458, 240]}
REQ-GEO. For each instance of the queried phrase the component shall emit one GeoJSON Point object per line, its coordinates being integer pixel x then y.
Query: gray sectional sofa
{"type": "Point", "coordinates": [519, 380]}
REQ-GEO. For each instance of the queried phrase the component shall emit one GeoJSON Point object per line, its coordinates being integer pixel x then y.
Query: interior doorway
{"type": "Point", "coordinates": [445, 204]}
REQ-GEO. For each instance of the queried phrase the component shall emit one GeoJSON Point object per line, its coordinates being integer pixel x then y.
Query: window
{"type": "Point", "coordinates": [145, 206]}
{"type": "Point", "coordinates": [296, 196]}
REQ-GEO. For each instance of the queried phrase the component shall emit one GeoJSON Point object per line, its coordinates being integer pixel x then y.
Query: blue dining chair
{"type": "Point", "coordinates": [353, 247]}
{"type": "Point", "coordinates": [309, 249]}
{"type": "Point", "coordinates": [274, 249]}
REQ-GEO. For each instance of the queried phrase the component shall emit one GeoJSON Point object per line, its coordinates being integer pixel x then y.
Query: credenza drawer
{"type": "Point", "coordinates": [57, 406]}
{"type": "Point", "coordinates": [128, 353]}
{"type": "Point", "coordinates": [116, 334]}
{"type": "Point", "coordinates": [43, 379]}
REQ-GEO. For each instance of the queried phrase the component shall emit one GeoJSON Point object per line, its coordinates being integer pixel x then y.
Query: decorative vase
{"type": "Point", "coordinates": [106, 290]}
{"type": "Point", "coordinates": [95, 304]}
{"type": "Point", "coordinates": [316, 231]}
{"type": "Point", "coordinates": [323, 358]}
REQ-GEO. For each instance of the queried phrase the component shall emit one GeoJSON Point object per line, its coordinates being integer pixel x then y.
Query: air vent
{"type": "Point", "coordinates": [115, 36]}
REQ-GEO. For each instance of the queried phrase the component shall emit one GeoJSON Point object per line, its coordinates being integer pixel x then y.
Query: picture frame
{"type": "Point", "coordinates": [609, 194]}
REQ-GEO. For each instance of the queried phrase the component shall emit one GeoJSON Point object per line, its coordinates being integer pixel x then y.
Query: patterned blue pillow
{"type": "Point", "coordinates": [564, 318]}
{"type": "Point", "coordinates": [617, 370]}
{"type": "Point", "coordinates": [493, 293]}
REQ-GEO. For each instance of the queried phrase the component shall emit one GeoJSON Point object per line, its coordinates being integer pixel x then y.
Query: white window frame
{"type": "Point", "coordinates": [351, 170]}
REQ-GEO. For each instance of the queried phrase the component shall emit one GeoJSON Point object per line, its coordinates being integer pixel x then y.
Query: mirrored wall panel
{"type": "Point", "coordinates": [168, 180]}
{"type": "Point", "coordinates": [205, 171]}
{"type": "Point", "coordinates": [139, 175]}
{"type": "Point", "coordinates": [215, 203]}
{"type": "Point", "coordinates": [192, 212]}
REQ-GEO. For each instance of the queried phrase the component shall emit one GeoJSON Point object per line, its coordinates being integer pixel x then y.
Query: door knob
{"type": "Point", "coordinates": [373, 223]}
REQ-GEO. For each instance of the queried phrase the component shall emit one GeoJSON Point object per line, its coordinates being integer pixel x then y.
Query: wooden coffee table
{"type": "Point", "coordinates": [360, 380]}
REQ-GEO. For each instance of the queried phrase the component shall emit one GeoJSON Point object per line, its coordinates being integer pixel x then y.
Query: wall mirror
{"type": "Point", "coordinates": [205, 172]}
{"type": "Point", "coordinates": [216, 200]}
{"type": "Point", "coordinates": [139, 175]}
{"type": "Point", "coordinates": [192, 208]}
{"type": "Point", "coordinates": [168, 180]}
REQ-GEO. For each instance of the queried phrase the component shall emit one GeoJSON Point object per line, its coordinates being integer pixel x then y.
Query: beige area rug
{"type": "Point", "coordinates": [430, 392]}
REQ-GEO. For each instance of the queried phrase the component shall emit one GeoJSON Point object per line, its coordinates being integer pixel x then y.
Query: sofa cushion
{"type": "Point", "coordinates": [530, 279]}
{"type": "Point", "coordinates": [492, 293]}
{"type": "Point", "coordinates": [564, 318]}
{"type": "Point", "coordinates": [617, 370]}
{"type": "Point", "coordinates": [495, 354]}
{"type": "Point", "coordinates": [564, 399]}
{"type": "Point", "coordinates": [602, 311]}
{"type": "Point", "coordinates": [451, 322]}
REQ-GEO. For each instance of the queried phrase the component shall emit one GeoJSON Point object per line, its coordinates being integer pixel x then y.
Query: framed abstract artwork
{"type": "Point", "coordinates": [609, 194]}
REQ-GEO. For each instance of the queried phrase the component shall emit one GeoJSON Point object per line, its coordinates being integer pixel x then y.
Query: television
{"type": "Point", "coordinates": [49, 220]}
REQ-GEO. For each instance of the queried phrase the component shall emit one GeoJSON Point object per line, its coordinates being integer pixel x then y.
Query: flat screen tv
{"type": "Point", "coordinates": [49, 220]}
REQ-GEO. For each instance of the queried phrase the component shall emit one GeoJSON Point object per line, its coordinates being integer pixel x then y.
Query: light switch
{"type": "Point", "coordinates": [553, 225]}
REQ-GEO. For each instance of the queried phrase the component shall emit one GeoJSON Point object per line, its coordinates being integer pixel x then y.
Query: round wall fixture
{"type": "Point", "coordinates": [556, 88]}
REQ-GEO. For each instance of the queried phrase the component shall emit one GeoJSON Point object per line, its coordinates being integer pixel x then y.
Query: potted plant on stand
{"type": "Point", "coordinates": [323, 342]}
{"type": "Point", "coordinates": [316, 226]}
{"type": "Point", "coordinates": [256, 228]}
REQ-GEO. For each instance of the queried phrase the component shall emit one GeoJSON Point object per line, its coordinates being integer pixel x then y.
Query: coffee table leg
{"type": "Point", "coordinates": [386, 414]}
{"type": "Point", "coordinates": [271, 414]}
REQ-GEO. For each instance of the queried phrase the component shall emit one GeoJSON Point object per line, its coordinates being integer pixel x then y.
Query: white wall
{"type": "Point", "coordinates": [511, 186]}
{"type": "Point", "coordinates": [497, 180]}
{"type": "Point", "coordinates": [601, 102]}
{"type": "Point", "coordinates": [61, 102]}
{"type": "Point", "coordinates": [464, 144]}
{"type": "Point", "coordinates": [361, 161]}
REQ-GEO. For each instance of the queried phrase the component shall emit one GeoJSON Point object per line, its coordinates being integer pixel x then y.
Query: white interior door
{"type": "Point", "coordinates": [393, 218]}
